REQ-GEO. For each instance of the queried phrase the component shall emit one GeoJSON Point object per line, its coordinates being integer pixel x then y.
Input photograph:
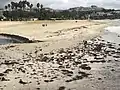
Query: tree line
{"type": "Point", "coordinates": [24, 10]}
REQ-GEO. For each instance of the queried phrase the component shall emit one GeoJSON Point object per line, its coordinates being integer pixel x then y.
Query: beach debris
{"type": "Point", "coordinates": [85, 67]}
{"type": "Point", "coordinates": [62, 88]}
{"type": "Point", "coordinates": [61, 50]}
{"type": "Point", "coordinates": [66, 63]}
{"type": "Point", "coordinates": [97, 61]}
{"type": "Point", "coordinates": [23, 82]}
{"type": "Point", "coordinates": [10, 62]}
{"type": "Point", "coordinates": [44, 59]}
{"type": "Point", "coordinates": [98, 47]}
{"type": "Point", "coordinates": [2, 74]}
{"type": "Point", "coordinates": [38, 88]}
{"type": "Point", "coordinates": [44, 25]}
{"type": "Point", "coordinates": [7, 70]}
{"type": "Point", "coordinates": [47, 80]}
{"type": "Point", "coordinates": [112, 70]}
{"type": "Point", "coordinates": [84, 27]}
{"type": "Point", "coordinates": [75, 78]}
{"type": "Point", "coordinates": [85, 43]}
{"type": "Point", "coordinates": [8, 47]}
{"type": "Point", "coordinates": [99, 78]}
{"type": "Point", "coordinates": [99, 57]}
{"type": "Point", "coordinates": [22, 69]}
{"type": "Point", "coordinates": [116, 56]}
{"type": "Point", "coordinates": [66, 72]}
{"type": "Point", "coordinates": [4, 79]}
{"type": "Point", "coordinates": [118, 49]}
{"type": "Point", "coordinates": [78, 77]}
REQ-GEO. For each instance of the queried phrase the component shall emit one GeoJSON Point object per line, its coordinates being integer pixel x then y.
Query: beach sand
{"type": "Point", "coordinates": [62, 61]}
{"type": "Point", "coordinates": [35, 30]}
{"type": "Point", "coordinates": [57, 33]}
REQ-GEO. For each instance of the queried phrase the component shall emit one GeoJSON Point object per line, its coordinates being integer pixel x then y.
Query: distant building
{"type": "Point", "coordinates": [34, 19]}
{"type": "Point", "coordinates": [49, 9]}
{"type": "Point", "coordinates": [116, 11]}
{"type": "Point", "coordinates": [93, 8]}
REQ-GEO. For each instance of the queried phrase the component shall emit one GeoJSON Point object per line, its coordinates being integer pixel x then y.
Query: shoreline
{"type": "Point", "coordinates": [16, 38]}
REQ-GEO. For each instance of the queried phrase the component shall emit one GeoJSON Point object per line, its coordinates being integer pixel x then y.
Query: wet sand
{"type": "Point", "coordinates": [63, 62]}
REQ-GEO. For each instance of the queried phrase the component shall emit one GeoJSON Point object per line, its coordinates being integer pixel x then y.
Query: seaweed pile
{"type": "Point", "coordinates": [68, 65]}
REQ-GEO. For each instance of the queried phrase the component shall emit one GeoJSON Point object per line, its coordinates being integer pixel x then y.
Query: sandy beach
{"type": "Point", "coordinates": [57, 33]}
{"type": "Point", "coordinates": [71, 56]}
{"type": "Point", "coordinates": [35, 30]}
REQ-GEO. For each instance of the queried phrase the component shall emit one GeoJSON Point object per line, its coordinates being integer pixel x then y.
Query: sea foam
{"type": "Point", "coordinates": [115, 29]}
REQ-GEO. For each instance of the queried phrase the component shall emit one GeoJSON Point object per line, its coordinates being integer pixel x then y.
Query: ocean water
{"type": "Point", "coordinates": [114, 26]}
{"type": "Point", "coordinates": [6, 40]}
{"type": "Point", "coordinates": [112, 33]}
{"type": "Point", "coordinates": [114, 29]}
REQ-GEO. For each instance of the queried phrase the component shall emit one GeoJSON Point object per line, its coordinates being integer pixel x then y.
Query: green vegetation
{"type": "Point", "coordinates": [24, 10]}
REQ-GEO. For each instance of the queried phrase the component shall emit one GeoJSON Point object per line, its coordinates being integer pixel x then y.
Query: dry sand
{"type": "Point", "coordinates": [35, 30]}
{"type": "Point", "coordinates": [57, 33]}
{"type": "Point", "coordinates": [21, 67]}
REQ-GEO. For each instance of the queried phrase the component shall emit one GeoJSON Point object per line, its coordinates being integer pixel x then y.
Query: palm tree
{"type": "Point", "coordinates": [41, 11]}
{"type": "Point", "coordinates": [16, 5]}
{"type": "Point", "coordinates": [38, 5]}
{"type": "Point", "coordinates": [12, 3]}
{"type": "Point", "coordinates": [31, 5]}
{"type": "Point", "coordinates": [41, 6]}
{"type": "Point", "coordinates": [28, 4]}
{"type": "Point", "coordinates": [9, 6]}
{"type": "Point", "coordinates": [24, 4]}
{"type": "Point", "coordinates": [12, 7]}
{"type": "Point", "coordinates": [20, 5]}
{"type": "Point", "coordinates": [6, 7]}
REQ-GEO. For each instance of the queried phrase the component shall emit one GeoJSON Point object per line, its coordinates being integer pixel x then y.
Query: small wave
{"type": "Point", "coordinates": [15, 38]}
{"type": "Point", "coordinates": [10, 38]}
{"type": "Point", "coordinates": [115, 29]}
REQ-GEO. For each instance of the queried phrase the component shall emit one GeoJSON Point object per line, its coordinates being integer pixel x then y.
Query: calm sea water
{"type": "Point", "coordinates": [5, 40]}
{"type": "Point", "coordinates": [114, 29]}
{"type": "Point", "coordinates": [112, 33]}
